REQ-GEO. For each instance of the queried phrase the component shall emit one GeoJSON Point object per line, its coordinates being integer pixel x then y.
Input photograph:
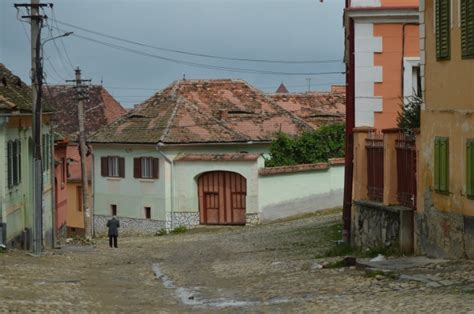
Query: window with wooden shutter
{"type": "Point", "coordinates": [155, 167]}
{"type": "Point", "coordinates": [10, 163]}
{"type": "Point", "coordinates": [467, 28]}
{"type": "Point", "coordinates": [104, 166]}
{"type": "Point", "coordinates": [18, 150]}
{"type": "Point", "coordinates": [470, 168]}
{"type": "Point", "coordinates": [15, 162]}
{"type": "Point", "coordinates": [441, 174]}
{"type": "Point", "coordinates": [121, 163]}
{"type": "Point", "coordinates": [443, 26]}
{"type": "Point", "coordinates": [137, 167]}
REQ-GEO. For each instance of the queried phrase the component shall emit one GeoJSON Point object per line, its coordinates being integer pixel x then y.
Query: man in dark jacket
{"type": "Point", "coordinates": [113, 225]}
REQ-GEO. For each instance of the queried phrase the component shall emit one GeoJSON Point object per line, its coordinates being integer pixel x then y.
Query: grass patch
{"type": "Point", "coordinates": [179, 229]}
{"type": "Point", "coordinates": [333, 234]}
{"type": "Point", "coordinates": [161, 232]}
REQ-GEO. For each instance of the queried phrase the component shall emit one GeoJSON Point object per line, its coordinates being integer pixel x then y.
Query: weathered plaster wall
{"type": "Point", "coordinates": [17, 201]}
{"type": "Point", "coordinates": [75, 216]}
{"type": "Point", "coordinates": [131, 195]}
{"type": "Point", "coordinates": [390, 59]}
{"type": "Point", "coordinates": [444, 220]}
{"type": "Point", "coordinates": [60, 186]}
{"type": "Point", "coordinates": [284, 195]}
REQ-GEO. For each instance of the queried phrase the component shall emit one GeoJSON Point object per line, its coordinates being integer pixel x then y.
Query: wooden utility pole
{"type": "Point", "coordinates": [81, 96]}
{"type": "Point", "coordinates": [36, 21]}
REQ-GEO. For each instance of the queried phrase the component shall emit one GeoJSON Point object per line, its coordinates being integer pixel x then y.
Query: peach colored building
{"type": "Point", "coordinates": [382, 70]}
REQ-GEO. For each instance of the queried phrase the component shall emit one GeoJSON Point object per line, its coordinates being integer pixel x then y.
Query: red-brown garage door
{"type": "Point", "coordinates": [222, 197]}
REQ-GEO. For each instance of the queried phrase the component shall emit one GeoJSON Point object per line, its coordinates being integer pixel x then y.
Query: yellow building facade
{"type": "Point", "coordinates": [445, 211]}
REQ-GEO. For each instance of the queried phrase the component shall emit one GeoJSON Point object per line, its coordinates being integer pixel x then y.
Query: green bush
{"type": "Point", "coordinates": [310, 147]}
{"type": "Point", "coordinates": [408, 118]}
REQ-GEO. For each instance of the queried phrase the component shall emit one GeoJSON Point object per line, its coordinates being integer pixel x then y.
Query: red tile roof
{"type": "Point", "coordinates": [203, 111]}
{"type": "Point", "coordinates": [100, 109]}
{"type": "Point", "coordinates": [316, 108]}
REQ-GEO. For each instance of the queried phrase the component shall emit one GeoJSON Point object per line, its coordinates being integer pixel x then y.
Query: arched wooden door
{"type": "Point", "coordinates": [222, 198]}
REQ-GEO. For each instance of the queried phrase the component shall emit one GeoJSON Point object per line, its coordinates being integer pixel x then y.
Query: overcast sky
{"type": "Point", "coordinates": [289, 30]}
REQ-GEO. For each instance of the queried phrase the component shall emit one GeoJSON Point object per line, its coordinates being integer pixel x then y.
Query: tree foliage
{"type": "Point", "coordinates": [311, 147]}
{"type": "Point", "coordinates": [409, 117]}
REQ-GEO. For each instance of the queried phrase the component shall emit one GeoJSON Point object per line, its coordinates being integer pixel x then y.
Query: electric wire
{"type": "Point", "coordinates": [194, 53]}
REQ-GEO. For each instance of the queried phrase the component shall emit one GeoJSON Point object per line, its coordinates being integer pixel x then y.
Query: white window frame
{"type": "Point", "coordinates": [113, 166]}
{"type": "Point", "coordinates": [409, 63]}
{"type": "Point", "coordinates": [146, 167]}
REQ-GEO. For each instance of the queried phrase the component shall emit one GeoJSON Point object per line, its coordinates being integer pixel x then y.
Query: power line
{"type": "Point", "coordinates": [202, 65]}
{"type": "Point", "coordinates": [62, 42]}
{"type": "Point", "coordinates": [195, 53]}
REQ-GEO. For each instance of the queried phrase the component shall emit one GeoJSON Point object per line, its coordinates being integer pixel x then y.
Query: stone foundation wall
{"type": "Point", "coordinates": [187, 219]}
{"type": "Point", "coordinates": [376, 225]}
{"type": "Point", "coordinates": [128, 226]}
{"type": "Point", "coordinates": [444, 235]}
{"type": "Point", "coordinates": [252, 219]}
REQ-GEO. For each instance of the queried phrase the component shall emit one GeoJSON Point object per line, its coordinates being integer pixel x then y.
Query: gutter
{"type": "Point", "coordinates": [171, 162]}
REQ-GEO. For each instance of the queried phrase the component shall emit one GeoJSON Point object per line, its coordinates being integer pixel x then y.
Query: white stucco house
{"type": "Point", "coordinates": [193, 154]}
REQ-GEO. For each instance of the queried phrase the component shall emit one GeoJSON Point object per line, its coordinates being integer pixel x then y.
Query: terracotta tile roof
{"type": "Point", "coordinates": [218, 157]}
{"type": "Point", "coordinates": [101, 108]}
{"type": "Point", "coordinates": [203, 111]}
{"type": "Point", "coordinates": [15, 95]}
{"type": "Point", "coordinates": [316, 108]}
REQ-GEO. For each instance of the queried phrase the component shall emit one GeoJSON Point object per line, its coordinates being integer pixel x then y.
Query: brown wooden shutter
{"type": "Point", "coordinates": [121, 161]}
{"type": "Point", "coordinates": [10, 163]}
{"type": "Point", "coordinates": [104, 166]}
{"type": "Point", "coordinates": [155, 167]}
{"type": "Point", "coordinates": [443, 27]}
{"type": "Point", "coordinates": [19, 161]}
{"type": "Point", "coordinates": [15, 163]}
{"type": "Point", "coordinates": [137, 167]}
{"type": "Point", "coordinates": [467, 28]}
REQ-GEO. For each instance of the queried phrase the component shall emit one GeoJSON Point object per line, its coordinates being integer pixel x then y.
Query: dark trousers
{"type": "Point", "coordinates": [115, 241]}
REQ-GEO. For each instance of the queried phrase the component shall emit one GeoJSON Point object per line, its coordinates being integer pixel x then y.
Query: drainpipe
{"type": "Point", "coordinates": [171, 162]}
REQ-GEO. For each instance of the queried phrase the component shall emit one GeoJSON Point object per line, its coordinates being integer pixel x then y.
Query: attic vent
{"type": "Point", "coordinates": [136, 116]}
{"type": "Point", "coordinates": [3, 81]}
{"type": "Point", "coordinates": [18, 83]}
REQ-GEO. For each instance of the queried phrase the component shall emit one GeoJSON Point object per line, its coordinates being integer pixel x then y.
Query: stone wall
{"type": "Point", "coordinates": [187, 219]}
{"type": "Point", "coordinates": [128, 226]}
{"type": "Point", "coordinates": [376, 225]}
{"type": "Point", "coordinates": [444, 235]}
{"type": "Point", "coordinates": [252, 219]}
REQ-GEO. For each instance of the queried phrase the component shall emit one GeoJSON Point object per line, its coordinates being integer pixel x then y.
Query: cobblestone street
{"type": "Point", "coordinates": [269, 268]}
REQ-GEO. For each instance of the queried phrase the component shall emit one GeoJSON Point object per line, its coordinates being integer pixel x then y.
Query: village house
{"type": "Point", "coordinates": [194, 154]}
{"type": "Point", "coordinates": [16, 160]}
{"type": "Point", "coordinates": [100, 109]}
{"type": "Point", "coordinates": [445, 211]}
{"type": "Point", "coordinates": [383, 74]}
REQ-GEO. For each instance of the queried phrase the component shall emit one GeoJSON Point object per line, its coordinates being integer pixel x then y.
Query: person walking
{"type": "Point", "coordinates": [113, 225]}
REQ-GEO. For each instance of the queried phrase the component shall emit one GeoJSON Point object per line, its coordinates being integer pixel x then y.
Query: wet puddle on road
{"type": "Point", "coordinates": [190, 296]}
